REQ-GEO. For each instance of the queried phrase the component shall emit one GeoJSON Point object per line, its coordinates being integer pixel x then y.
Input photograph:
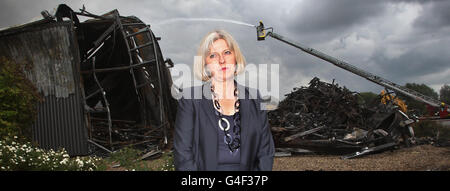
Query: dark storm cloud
{"type": "Point", "coordinates": [328, 18]}
{"type": "Point", "coordinates": [419, 61]}
{"type": "Point", "coordinates": [434, 16]}
{"type": "Point", "coordinates": [322, 22]}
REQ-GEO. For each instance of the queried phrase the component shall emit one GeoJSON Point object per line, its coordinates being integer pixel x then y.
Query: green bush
{"type": "Point", "coordinates": [26, 157]}
{"type": "Point", "coordinates": [18, 101]}
{"type": "Point", "coordinates": [414, 106]}
{"type": "Point", "coordinates": [367, 98]}
{"type": "Point", "coordinates": [431, 129]}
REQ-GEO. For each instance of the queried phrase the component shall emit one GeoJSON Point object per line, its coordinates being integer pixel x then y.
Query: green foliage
{"type": "Point", "coordinates": [26, 157]}
{"type": "Point", "coordinates": [18, 101]}
{"type": "Point", "coordinates": [366, 97]}
{"type": "Point", "coordinates": [444, 94]}
{"type": "Point", "coordinates": [418, 107]}
{"type": "Point", "coordinates": [431, 129]}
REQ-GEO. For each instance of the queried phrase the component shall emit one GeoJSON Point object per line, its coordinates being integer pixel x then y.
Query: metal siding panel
{"type": "Point", "coordinates": [71, 121]}
{"type": "Point", "coordinates": [53, 54]}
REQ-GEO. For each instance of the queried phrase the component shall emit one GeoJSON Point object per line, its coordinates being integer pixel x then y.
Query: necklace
{"type": "Point", "coordinates": [231, 138]}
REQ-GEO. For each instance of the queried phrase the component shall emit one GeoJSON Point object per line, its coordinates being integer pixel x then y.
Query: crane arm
{"type": "Point", "coordinates": [262, 33]}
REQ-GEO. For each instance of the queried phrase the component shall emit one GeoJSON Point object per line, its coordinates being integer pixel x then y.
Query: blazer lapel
{"type": "Point", "coordinates": [207, 107]}
{"type": "Point", "coordinates": [245, 122]}
{"type": "Point", "coordinates": [209, 132]}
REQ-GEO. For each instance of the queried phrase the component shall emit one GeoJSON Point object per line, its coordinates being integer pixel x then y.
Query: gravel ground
{"type": "Point", "coordinates": [417, 158]}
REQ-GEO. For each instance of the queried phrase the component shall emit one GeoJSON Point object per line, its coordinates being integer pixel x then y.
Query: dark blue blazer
{"type": "Point", "coordinates": [196, 136]}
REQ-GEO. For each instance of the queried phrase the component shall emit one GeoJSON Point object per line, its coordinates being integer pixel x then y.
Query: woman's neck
{"type": "Point", "coordinates": [224, 89]}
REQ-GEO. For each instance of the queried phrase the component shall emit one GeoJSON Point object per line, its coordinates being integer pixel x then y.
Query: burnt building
{"type": "Point", "coordinates": [104, 81]}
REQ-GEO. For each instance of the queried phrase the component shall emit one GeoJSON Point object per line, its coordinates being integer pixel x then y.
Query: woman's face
{"type": "Point", "coordinates": [220, 61]}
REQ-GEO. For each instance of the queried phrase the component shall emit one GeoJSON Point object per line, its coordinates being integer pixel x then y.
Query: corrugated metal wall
{"type": "Point", "coordinates": [52, 51]}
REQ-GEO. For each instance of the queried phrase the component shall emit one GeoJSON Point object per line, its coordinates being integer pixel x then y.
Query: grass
{"type": "Point", "coordinates": [127, 159]}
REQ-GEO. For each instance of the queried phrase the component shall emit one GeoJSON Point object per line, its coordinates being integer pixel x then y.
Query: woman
{"type": "Point", "coordinates": [220, 125]}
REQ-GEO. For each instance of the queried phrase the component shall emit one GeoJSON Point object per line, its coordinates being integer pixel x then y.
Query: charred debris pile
{"type": "Point", "coordinates": [326, 118]}
{"type": "Point", "coordinates": [126, 83]}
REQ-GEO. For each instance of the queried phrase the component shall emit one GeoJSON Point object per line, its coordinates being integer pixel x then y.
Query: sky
{"type": "Point", "coordinates": [404, 41]}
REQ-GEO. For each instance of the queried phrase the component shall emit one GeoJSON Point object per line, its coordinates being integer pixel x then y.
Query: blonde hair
{"type": "Point", "coordinates": [203, 50]}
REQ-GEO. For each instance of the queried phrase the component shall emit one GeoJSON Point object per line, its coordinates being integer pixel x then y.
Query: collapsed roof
{"type": "Point", "coordinates": [106, 75]}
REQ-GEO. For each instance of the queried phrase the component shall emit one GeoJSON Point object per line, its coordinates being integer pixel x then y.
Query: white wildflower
{"type": "Point", "coordinates": [64, 161]}
{"type": "Point", "coordinates": [80, 162]}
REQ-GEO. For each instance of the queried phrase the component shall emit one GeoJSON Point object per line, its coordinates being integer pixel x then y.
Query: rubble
{"type": "Point", "coordinates": [126, 83]}
{"type": "Point", "coordinates": [326, 118]}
